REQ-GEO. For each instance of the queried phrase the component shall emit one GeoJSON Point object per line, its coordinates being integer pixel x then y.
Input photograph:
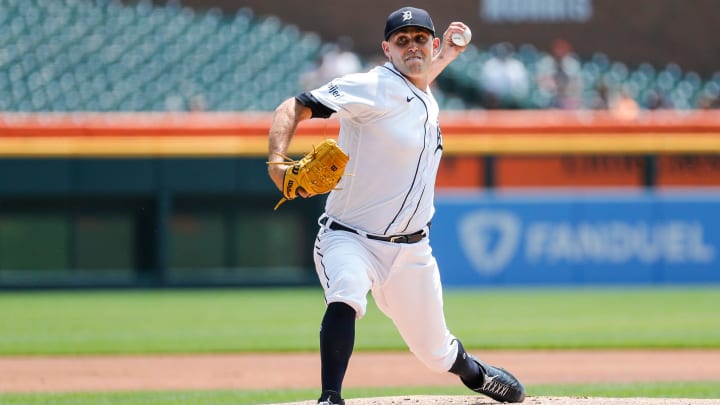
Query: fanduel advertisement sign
{"type": "Point", "coordinates": [534, 239]}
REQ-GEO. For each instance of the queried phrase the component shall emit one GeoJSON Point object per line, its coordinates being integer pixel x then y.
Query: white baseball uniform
{"type": "Point", "coordinates": [390, 130]}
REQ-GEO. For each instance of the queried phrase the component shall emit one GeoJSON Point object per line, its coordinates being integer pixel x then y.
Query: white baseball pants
{"type": "Point", "coordinates": [405, 283]}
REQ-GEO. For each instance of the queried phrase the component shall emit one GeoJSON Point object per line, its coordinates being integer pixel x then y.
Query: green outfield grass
{"type": "Point", "coordinates": [665, 390]}
{"type": "Point", "coordinates": [249, 320]}
{"type": "Point", "coordinates": [245, 320]}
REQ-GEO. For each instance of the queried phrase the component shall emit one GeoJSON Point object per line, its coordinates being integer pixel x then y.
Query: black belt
{"type": "Point", "coordinates": [414, 237]}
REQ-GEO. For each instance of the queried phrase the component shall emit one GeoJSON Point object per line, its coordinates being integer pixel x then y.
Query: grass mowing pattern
{"type": "Point", "coordinates": [244, 320]}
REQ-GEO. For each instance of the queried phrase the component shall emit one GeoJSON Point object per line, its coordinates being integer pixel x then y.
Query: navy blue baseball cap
{"type": "Point", "coordinates": [408, 17]}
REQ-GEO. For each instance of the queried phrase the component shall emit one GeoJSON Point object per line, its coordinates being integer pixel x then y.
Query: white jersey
{"type": "Point", "coordinates": [390, 130]}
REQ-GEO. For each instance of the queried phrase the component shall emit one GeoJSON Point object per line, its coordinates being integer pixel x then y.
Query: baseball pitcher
{"type": "Point", "coordinates": [374, 235]}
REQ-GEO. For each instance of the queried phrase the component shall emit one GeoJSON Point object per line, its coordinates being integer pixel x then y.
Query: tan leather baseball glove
{"type": "Point", "coordinates": [318, 172]}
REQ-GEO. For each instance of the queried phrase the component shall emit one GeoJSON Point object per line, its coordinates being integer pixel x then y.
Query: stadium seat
{"type": "Point", "coordinates": [102, 54]}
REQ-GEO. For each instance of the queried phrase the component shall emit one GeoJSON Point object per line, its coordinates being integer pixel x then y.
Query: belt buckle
{"type": "Point", "coordinates": [398, 239]}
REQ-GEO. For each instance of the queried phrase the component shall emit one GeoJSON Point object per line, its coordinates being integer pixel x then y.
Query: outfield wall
{"type": "Point", "coordinates": [166, 199]}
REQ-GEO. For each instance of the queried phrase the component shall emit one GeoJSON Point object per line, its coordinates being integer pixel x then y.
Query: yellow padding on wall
{"type": "Point", "coordinates": [457, 144]}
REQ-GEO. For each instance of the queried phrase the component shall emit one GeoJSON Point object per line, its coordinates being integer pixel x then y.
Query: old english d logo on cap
{"type": "Point", "coordinates": [408, 17]}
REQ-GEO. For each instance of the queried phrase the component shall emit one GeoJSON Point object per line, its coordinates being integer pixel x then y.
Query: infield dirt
{"type": "Point", "coordinates": [383, 369]}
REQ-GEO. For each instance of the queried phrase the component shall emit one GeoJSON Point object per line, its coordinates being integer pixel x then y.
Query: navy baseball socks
{"type": "Point", "coordinates": [337, 338]}
{"type": "Point", "coordinates": [485, 379]}
{"type": "Point", "coordinates": [330, 398]}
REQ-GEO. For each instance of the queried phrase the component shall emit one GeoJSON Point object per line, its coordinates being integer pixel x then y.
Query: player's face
{"type": "Point", "coordinates": [411, 50]}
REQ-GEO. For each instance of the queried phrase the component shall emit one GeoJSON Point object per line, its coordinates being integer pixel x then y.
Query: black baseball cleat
{"type": "Point", "coordinates": [496, 383]}
{"type": "Point", "coordinates": [330, 398]}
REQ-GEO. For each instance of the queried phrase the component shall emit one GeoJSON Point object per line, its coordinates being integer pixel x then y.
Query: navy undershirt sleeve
{"type": "Point", "coordinates": [319, 110]}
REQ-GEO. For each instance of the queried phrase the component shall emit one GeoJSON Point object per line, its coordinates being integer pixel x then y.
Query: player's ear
{"type": "Point", "coordinates": [436, 44]}
{"type": "Point", "coordinates": [386, 48]}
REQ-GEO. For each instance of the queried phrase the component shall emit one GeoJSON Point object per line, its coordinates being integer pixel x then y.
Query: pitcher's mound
{"type": "Point", "coordinates": [475, 400]}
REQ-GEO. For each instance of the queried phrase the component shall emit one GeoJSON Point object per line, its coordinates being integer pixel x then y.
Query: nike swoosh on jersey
{"type": "Point", "coordinates": [409, 99]}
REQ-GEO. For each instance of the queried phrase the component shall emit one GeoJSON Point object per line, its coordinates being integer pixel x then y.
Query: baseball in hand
{"type": "Point", "coordinates": [462, 39]}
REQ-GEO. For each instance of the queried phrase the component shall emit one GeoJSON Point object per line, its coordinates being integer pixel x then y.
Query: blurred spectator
{"type": "Point", "coordinates": [623, 105]}
{"type": "Point", "coordinates": [337, 60]}
{"type": "Point", "coordinates": [340, 60]}
{"type": "Point", "coordinates": [655, 99]}
{"type": "Point", "coordinates": [559, 75]}
{"type": "Point", "coordinates": [709, 98]}
{"type": "Point", "coordinates": [707, 102]}
{"type": "Point", "coordinates": [197, 103]}
{"type": "Point", "coordinates": [310, 77]}
{"type": "Point", "coordinates": [504, 79]}
{"type": "Point", "coordinates": [176, 103]}
{"type": "Point", "coordinates": [600, 99]}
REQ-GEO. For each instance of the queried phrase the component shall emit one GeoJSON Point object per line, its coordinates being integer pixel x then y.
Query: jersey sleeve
{"type": "Point", "coordinates": [352, 97]}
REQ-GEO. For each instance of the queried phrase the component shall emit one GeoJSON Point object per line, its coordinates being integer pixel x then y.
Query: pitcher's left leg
{"type": "Point", "coordinates": [412, 297]}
